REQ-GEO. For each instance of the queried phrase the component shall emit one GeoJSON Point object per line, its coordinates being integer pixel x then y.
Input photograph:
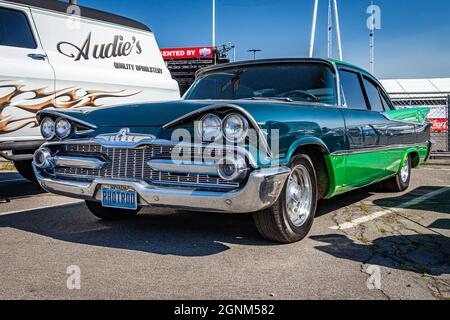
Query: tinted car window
{"type": "Point", "coordinates": [15, 30]}
{"type": "Point", "coordinates": [309, 82]}
{"type": "Point", "coordinates": [352, 90]}
{"type": "Point", "coordinates": [373, 94]}
{"type": "Point", "coordinates": [386, 102]}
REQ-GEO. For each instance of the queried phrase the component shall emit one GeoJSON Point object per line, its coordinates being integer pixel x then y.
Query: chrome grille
{"type": "Point", "coordinates": [130, 163]}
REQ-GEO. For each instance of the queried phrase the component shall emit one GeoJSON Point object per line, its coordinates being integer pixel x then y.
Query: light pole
{"type": "Point", "coordinates": [313, 29]}
{"type": "Point", "coordinates": [254, 51]}
{"type": "Point", "coordinates": [213, 23]}
{"type": "Point", "coordinates": [338, 30]}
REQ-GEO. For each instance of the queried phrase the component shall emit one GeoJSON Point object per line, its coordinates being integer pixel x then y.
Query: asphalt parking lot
{"type": "Point", "coordinates": [364, 245]}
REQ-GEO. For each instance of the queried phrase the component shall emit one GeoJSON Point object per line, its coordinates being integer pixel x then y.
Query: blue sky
{"type": "Point", "coordinates": [414, 40]}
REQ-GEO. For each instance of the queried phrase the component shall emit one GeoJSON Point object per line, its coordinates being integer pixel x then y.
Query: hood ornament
{"type": "Point", "coordinates": [125, 136]}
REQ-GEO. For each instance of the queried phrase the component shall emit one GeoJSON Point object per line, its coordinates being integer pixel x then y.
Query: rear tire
{"type": "Point", "coordinates": [25, 169]}
{"type": "Point", "coordinates": [290, 219]}
{"type": "Point", "coordinates": [401, 181]}
{"type": "Point", "coordinates": [110, 214]}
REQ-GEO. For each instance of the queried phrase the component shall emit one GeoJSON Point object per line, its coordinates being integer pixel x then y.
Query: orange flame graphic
{"type": "Point", "coordinates": [71, 97]}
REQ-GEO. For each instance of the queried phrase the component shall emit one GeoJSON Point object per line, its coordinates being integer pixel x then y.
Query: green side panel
{"type": "Point", "coordinates": [353, 171]}
{"type": "Point", "coordinates": [336, 169]}
{"type": "Point", "coordinates": [365, 168]}
{"type": "Point", "coordinates": [418, 115]}
{"type": "Point", "coordinates": [424, 151]}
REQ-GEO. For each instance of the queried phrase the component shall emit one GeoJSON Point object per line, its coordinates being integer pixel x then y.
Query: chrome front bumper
{"type": "Point", "coordinates": [262, 190]}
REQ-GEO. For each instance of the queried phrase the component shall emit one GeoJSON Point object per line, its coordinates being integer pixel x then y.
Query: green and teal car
{"type": "Point", "coordinates": [266, 137]}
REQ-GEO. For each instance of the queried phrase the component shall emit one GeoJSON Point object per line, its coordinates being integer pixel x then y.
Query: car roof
{"type": "Point", "coordinates": [346, 64]}
{"type": "Point", "coordinates": [262, 62]}
{"type": "Point", "coordinates": [61, 7]}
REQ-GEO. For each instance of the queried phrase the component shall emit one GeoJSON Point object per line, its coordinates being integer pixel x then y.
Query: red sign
{"type": "Point", "coordinates": [188, 53]}
{"type": "Point", "coordinates": [439, 125]}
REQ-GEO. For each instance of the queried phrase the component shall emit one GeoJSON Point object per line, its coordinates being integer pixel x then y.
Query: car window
{"type": "Point", "coordinates": [373, 94]}
{"type": "Point", "coordinates": [386, 101]}
{"type": "Point", "coordinates": [15, 31]}
{"type": "Point", "coordinates": [352, 91]}
{"type": "Point", "coordinates": [306, 82]}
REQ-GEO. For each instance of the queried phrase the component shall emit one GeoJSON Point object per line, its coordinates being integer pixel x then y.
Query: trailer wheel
{"type": "Point", "coordinates": [25, 169]}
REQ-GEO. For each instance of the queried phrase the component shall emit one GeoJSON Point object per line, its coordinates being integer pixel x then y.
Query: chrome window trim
{"type": "Point", "coordinates": [338, 86]}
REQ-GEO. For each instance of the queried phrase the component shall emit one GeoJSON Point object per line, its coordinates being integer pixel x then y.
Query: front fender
{"type": "Point", "coordinates": [305, 142]}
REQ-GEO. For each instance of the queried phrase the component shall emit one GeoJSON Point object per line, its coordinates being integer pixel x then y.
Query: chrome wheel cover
{"type": "Point", "coordinates": [299, 196]}
{"type": "Point", "coordinates": [404, 174]}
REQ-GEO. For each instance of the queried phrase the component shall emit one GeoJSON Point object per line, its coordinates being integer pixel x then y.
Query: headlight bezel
{"type": "Point", "coordinates": [200, 128]}
{"type": "Point", "coordinates": [245, 128]}
{"type": "Point", "coordinates": [52, 126]}
{"type": "Point", "coordinates": [68, 131]}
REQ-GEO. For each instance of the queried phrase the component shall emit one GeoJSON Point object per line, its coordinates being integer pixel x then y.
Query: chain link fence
{"type": "Point", "coordinates": [439, 104]}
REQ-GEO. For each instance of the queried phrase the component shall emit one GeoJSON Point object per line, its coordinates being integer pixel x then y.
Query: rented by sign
{"type": "Point", "coordinates": [188, 53]}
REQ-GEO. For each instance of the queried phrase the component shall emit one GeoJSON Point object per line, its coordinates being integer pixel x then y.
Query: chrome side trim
{"type": "Point", "coordinates": [173, 167]}
{"type": "Point", "coordinates": [261, 134]}
{"type": "Point", "coordinates": [377, 149]}
{"type": "Point", "coordinates": [79, 162]}
{"type": "Point", "coordinates": [64, 115]}
{"type": "Point", "coordinates": [261, 191]}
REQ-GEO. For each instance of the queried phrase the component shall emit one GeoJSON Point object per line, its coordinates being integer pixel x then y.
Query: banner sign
{"type": "Point", "coordinates": [188, 53]}
{"type": "Point", "coordinates": [439, 124]}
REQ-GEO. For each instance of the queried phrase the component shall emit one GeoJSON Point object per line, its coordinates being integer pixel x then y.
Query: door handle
{"type": "Point", "coordinates": [36, 56]}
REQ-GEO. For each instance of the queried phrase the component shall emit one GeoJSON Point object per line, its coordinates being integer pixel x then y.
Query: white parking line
{"type": "Point", "coordinates": [376, 215]}
{"type": "Point", "coordinates": [42, 208]}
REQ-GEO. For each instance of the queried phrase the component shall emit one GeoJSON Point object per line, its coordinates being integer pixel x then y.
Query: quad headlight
{"type": "Point", "coordinates": [235, 127]}
{"type": "Point", "coordinates": [48, 128]}
{"type": "Point", "coordinates": [210, 127]}
{"type": "Point", "coordinates": [63, 128]}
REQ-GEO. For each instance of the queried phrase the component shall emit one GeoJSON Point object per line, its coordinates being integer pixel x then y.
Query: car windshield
{"type": "Point", "coordinates": [306, 82]}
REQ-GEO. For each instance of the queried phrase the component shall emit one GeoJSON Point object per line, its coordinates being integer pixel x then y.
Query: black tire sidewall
{"type": "Point", "coordinates": [25, 169]}
{"type": "Point", "coordinates": [293, 231]}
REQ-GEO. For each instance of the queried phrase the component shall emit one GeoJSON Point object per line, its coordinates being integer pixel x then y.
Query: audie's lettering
{"type": "Point", "coordinates": [117, 48]}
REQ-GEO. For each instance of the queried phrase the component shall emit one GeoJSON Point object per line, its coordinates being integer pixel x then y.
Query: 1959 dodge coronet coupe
{"type": "Point", "coordinates": [268, 137]}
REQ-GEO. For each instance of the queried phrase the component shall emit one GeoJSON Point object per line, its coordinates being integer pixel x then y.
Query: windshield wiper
{"type": "Point", "coordinates": [269, 98]}
{"type": "Point", "coordinates": [234, 81]}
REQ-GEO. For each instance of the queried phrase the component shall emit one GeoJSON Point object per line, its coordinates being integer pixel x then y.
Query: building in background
{"type": "Point", "coordinates": [432, 93]}
{"type": "Point", "coordinates": [183, 63]}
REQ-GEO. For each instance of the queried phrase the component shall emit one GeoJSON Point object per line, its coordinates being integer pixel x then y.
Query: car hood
{"type": "Point", "coordinates": [157, 114]}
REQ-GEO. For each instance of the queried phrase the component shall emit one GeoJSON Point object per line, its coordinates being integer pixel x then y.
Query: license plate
{"type": "Point", "coordinates": [119, 197]}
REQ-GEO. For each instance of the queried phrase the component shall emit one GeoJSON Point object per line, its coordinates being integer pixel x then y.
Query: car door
{"type": "Point", "coordinates": [26, 77]}
{"type": "Point", "coordinates": [400, 134]}
{"type": "Point", "coordinates": [366, 131]}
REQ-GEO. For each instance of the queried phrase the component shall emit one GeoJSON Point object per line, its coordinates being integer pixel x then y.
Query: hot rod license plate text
{"type": "Point", "coordinates": [119, 197]}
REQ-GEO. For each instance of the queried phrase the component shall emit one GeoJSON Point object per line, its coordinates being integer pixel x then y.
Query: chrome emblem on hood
{"type": "Point", "coordinates": [125, 136]}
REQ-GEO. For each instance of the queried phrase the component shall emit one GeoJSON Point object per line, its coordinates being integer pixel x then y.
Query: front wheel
{"type": "Point", "coordinates": [290, 219]}
{"type": "Point", "coordinates": [110, 214]}
{"type": "Point", "coordinates": [401, 181]}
